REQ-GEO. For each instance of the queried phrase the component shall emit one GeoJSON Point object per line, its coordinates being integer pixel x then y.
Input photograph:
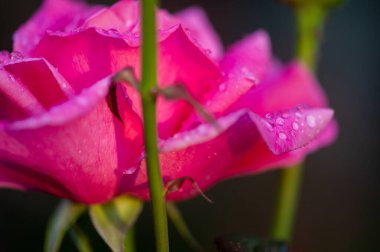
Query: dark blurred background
{"type": "Point", "coordinates": [340, 204]}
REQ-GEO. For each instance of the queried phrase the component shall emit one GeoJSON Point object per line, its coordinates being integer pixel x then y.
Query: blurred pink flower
{"type": "Point", "coordinates": [58, 135]}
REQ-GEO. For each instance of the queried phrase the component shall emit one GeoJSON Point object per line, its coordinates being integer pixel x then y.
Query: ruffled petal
{"type": "Point", "coordinates": [245, 65]}
{"type": "Point", "coordinates": [41, 80]}
{"type": "Point", "coordinates": [195, 19]}
{"type": "Point", "coordinates": [56, 15]}
{"type": "Point", "coordinates": [207, 153]}
{"type": "Point", "coordinates": [83, 62]}
{"type": "Point", "coordinates": [16, 100]}
{"type": "Point", "coordinates": [124, 16]}
{"type": "Point", "coordinates": [78, 149]}
{"type": "Point", "coordinates": [180, 61]}
{"type": "Point", "coordinates": [288, 87]}
{"type": "Point", "coordinates": [250, 55]}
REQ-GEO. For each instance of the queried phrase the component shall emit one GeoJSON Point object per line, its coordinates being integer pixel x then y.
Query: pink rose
{"type": "Point", "coordinates": [58, 134]}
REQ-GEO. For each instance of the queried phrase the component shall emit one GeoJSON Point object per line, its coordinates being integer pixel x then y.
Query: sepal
{"type": "Point", "coordinates": [114, 219]}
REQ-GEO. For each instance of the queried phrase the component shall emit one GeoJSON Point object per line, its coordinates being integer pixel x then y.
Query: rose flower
{"type": "Point", "coordinates": [59, 135]}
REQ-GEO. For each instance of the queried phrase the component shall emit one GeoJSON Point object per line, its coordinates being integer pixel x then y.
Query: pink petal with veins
{"type": "Point", "coordinates": [43, 152]}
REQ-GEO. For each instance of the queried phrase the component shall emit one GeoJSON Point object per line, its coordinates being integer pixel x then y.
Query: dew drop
{"type": "Point", "coordinates": [282, 136]}
{"type": "Point", "coordinates": [269, 116]}
{"type": "Point", "coordinates": [280, 121]}
{"type": "Point", "coordinates": [269, 126]}
{"type": "Point", "coordinates": [16, 55]}
{"type": "Point", "coordinates": [11, 78]}
{"type": "Point", "coordinates": [130, 170]}
{"type": "Point", "coordinates": [249, 75]}
{"type": "Point", "coordinates": [187, 138]}
{"type": "Point", "coordinates": [295, 126]}
{"type": "Point", "coordinates": [311, 122]}
{"type": "Point", "coordinates": [222, 87]}
{"type": "Point", "coordinates": [202, 130]}
{"type": "Point", "coordinates": [285, 115]}
{"type": "Point", "coordinates": [82, 101]}
{"type": "Point", "coordinates": [208, 51]}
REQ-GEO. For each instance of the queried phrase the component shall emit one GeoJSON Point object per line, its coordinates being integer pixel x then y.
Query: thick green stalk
{"type": "Point", "coordinates": [309, 20]}
{"type": "Point", "coordinates": [148, 85]}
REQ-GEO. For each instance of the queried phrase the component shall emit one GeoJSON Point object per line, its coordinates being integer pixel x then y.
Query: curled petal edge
{"type": "Point", "coordinates": [74, 108]}
{"type": "Point", "coordinates": [276, 131]}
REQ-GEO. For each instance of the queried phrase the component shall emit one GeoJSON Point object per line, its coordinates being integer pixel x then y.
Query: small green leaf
{"type": "Point", "coordinates": [63, 217]}
{"type": "Point", "coordinates": [113, 220]}
{"type": "Point", "coordinates": [80, 239]}
{"type": "Point", "coordinates": [182, 228]}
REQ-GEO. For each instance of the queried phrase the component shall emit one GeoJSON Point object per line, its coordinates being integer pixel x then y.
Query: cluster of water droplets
{"type": "Point", "coordinates": [292, 129]}
{"type": "Point", "coordinates": [249, 75]}
{"type": "Point", "coordinates": [6, 57]}
{"type": "Point", "coordinates": [184, 139]}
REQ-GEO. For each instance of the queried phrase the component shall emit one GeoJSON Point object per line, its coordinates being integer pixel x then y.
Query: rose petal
{"type": "Point", "coordinates": [207, 153]}
{"type": "Point", "coordinates": [288, 87]}
{"type": "Point", "coordinates": [122, 16]}
{"type": "Point", "coordinates": [64, 141]}
{"type": "Point", "coordinates": [251, 55]}
{"type": "Point", "coordinates": [245, 65]}
{"type": "Point", "coordinates": [41, 79]}
{"type": "Point", "coordinates": [56, 15]}
{"type": "Point", "coordinates": [195, 19]}
{"type": "Point", "coordinates": [15, 99]}
{"type": "Point", "coordinates": [181, 61]}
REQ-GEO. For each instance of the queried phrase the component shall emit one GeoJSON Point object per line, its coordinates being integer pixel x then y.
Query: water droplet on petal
{"type": "Point", "coordinates": [269, 116]}
{"type": "Point", "coordinates": [298, 114]}
{"type": "Point", "coordinates": [280, 121]}
{"type": "Point", "coordinates": [249, 75]}
{"type": "Point", "coordinates": [208, 51]}
{"type": "Point", "coordinates": [295, 126]}
{"type": "Point", "coordinates": [285, 115]}
{"type": "Point", "coordinates": [202, 130]}
{"type": "Point", "coordinates": [269, 126]}
{"type": "Point", "coordinates": [222, 87]}
{"type": "Point", "coordinates": [16, 55]}
{"type": "Point", "coordinates": [82, 101]}
{"type": "Point", "coordinates": [186, 138]}
{"type": "Point", "coordinates": [282, 136]}
{"type": "Point", "coordinates": [311, 122]}
{"type": "Point", "coordinates": [130, 170]}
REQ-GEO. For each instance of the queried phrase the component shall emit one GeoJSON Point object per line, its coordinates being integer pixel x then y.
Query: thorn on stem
{"type": "Point", "coordinates": [178, 91]}
{"type": "Point", "coordinates": [176, 184]}
{"type": "Point", "coordinates": [127, 75]}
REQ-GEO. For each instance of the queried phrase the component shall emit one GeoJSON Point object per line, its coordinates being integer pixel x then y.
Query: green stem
{"type": "Point", "coordinates": [310, 20]}
{"type": "Point", "coordinates": [148, 84]}
{"type": "Point", "coordinates": [129, 241]}
{"type": "Point", "coordinates": [287, 203]}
